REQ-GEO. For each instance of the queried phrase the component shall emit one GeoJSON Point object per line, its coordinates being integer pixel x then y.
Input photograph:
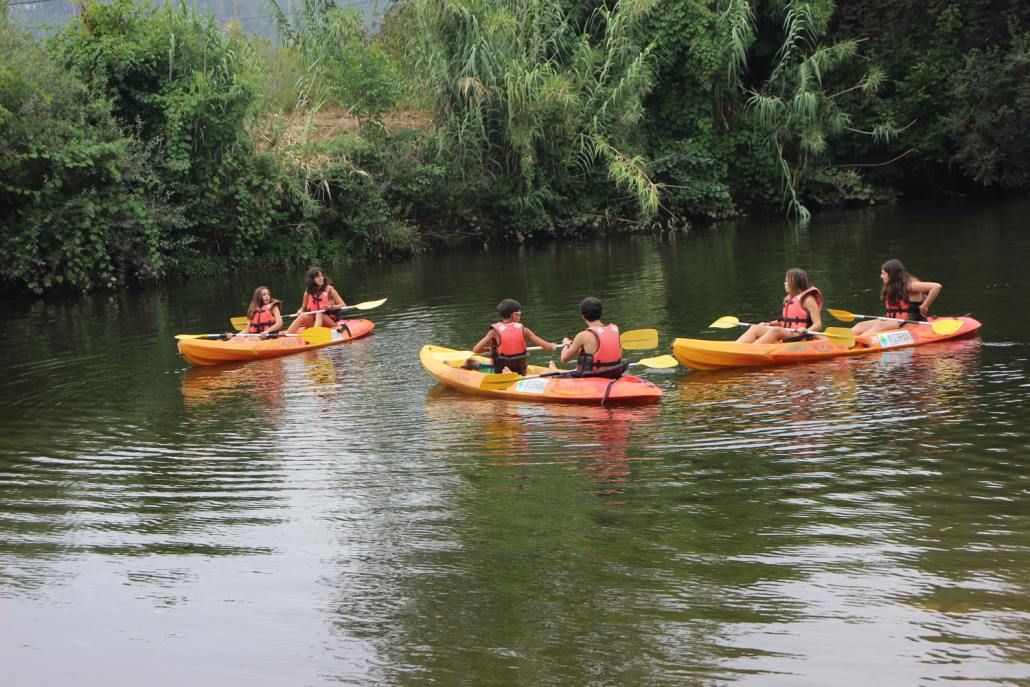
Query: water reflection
{"type": "Point", "coordinates": [589, 440]}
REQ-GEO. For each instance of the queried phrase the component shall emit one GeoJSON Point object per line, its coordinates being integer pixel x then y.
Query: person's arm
{"type": "Point", "coordinates": [278, 321]}
{"type": "Point", "coordinates": [572, 350]}
{"type": "Point", "coordinates": [546, 345]}
{"type": "Point", "coordinates": [815, 312]}
{"type": "Point", "coordinates": [303, 302]}
{"type": "Point", "coordinates": [337, 299]}
{"type": "Point", "coordinates": [484, 343]}
{"type": "Point", "coordinates": [931, 288]}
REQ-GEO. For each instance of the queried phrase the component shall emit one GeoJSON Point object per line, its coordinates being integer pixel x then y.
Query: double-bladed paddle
{"type": "Point", "coordinates": [311, 335]}
{"type": "Point", "coordinates": [241, 323]}
{"type": "Point", "coordinates": [458, 356]}
{"type": "Point", "coordinates": [632, 340]}
{"type": "Point", "coordinates": [942, 326]}
{"type": "Point", "coordinates": [844, 337]}
{"type": "Point", "coordinates": [503, 380]}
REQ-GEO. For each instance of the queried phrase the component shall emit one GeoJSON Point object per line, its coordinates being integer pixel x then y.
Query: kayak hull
{"type": "Point", "coordinates": [703, 354]}
{"type": "Point", "coordinates": [625, 390]}
{"type": "Point", "coordinates": [205, 352]}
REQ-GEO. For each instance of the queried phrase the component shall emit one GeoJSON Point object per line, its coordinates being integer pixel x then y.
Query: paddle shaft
{"type": "Point", "coordinates": [242, 322]}
{"type": "Point", "coordinates": [890, 319]}
{"type": "Point", "coordinates": [828, 336]}
{"type": "Point", "coordinates": [560, 372]}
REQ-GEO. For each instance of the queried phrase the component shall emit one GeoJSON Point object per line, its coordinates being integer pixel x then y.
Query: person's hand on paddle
{"type": "Point", "coordinates": [924, 308]}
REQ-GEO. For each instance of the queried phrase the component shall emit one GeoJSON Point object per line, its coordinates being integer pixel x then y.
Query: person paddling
{"type": "Point", "coordinates": [319, 294]}
{"type": "Point", "coordinates": [906, 298]}
{"type": "Point", "coordinates": [597, 349]}
{"type": "Point", "coordinates": [506, 341]}
{"type": "Point", "coordinates": [801, 313]}
{"type": "Point", "coordinates": [264, 314]}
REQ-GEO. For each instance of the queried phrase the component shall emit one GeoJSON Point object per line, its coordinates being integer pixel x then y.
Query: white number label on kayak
{"type": "Point", "coordinates": [532, 386]}
{"type": "Point", "coordinates": [901, 337]}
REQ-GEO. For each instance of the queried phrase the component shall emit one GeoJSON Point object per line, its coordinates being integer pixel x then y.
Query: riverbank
{"type": "Point", "coordinates": [140, 143]}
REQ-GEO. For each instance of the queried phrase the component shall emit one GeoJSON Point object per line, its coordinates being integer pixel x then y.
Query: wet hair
{"type": "Point", "coordinates": [508, 307]}
{"type": "Point", "coordinates": [591, 308]}
{"type": "Point", "coordinates": [255, 301]}
{"type": "Point", "coordinates": [312, 287]}
{"type": "Point", "coordinates": [797, 280]}
{"type": "Point", "coordinates": [898, 279]}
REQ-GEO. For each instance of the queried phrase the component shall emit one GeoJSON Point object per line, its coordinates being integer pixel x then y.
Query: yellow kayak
{"type": "Point", "coordinates": [627, 389]}
{"type": "Point", "coordinates": [705, 354]}
{"type": "Point", "coordinates": [244, 348]}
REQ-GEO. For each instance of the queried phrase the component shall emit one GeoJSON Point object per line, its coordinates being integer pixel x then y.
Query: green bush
{"type": "Point", "coordinates": [189, 89]}
{"type": "Point", "coordinates": [350, 70]}
{"type": "Point", "coordinates": [80, 201]}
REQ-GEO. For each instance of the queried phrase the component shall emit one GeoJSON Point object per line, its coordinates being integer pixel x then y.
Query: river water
{"type": "Point", "coordinates": [337, 517]}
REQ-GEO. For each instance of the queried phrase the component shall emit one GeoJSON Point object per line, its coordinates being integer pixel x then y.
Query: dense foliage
{"type": "Point", "coordinates": [141, 141]}
{"type": "Point", "coordinates": [536, 112]}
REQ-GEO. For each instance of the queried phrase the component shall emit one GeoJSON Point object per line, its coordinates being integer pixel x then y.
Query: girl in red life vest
{"type": "Point", "coordinates": [801, 313]}
{"type": "Point", "coordinates": [507, 339]}
{"type": "Point", "coordinates": [597, 349]}
{"type": "Point", "coordinates": [263, 313]}
{"type": "Point", "coordinates": [319, 294]}
{"type": "Point", "coordinates": [907, 299]}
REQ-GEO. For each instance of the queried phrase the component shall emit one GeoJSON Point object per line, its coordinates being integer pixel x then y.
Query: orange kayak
{"type": "Point", "coordinates": [240, 349]}
{"type": "Point", "coordinates": [625, 390]}
{"type": "Point", "coordinates": [704, 354]}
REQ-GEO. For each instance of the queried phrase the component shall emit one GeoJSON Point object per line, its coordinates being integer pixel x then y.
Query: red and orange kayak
{"type": "Point", "coordinates": [241, 349]}
{"type": "Point", "coordinates": [704, 354]}
{"type": "Point", "coordinates": [625, 390]}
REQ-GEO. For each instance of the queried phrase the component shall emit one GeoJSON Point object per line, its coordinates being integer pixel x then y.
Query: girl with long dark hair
{"type": "Point", "coordinates": [801, 312]}
{"type": "Point", "coordinates": [319, 294]}
{"type": "Point", "coordinates": [906, 298]}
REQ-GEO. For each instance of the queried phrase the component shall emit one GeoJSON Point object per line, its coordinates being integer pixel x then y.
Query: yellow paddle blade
{"type": "Point", "coordinates": [180, 337]}
{"type": "Point", "coordinates": [317, 335]}
{"type": "Point", "coordinates": [842, 336]}
{"type": "Point", "coordinates": [946, 326]}
{"type": "Point", "coordinates": [240, 323]}
{"type": "Point", "coordinates": [842, 315]}
{"type": "Point", "coordinates": [725, 322]}
{"type": "Point", "coordinates": [368, 305]}
{"type": "Point", "coordinates": [661, 362]}
{"type": "Point", "coordinates": [639, 339]}
{"type": "Point", "coordinates": [452, 356]}
{"type": "Point", "coordinates": [499, 381]}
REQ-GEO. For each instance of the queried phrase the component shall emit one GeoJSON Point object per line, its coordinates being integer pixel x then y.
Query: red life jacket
{"type": "Point", "coordinates": [904, 310]}
{"type": "Point", "coordinates": [794, 314]}
{"type": "Point", "coordinates": [513, 339]}
{"type": "Point", "coordinates": [609, 347]}
{"type": "Point", "coordinates": [263, 318]}
{"type": "Point", "coordinates": [321, 301]}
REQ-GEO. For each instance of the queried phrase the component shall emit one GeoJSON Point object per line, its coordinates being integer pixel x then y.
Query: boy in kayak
{"type": "Point", "coordinates": [906, 298]}
{"type": "Point", "coordinates": [801, 313]}
{"type": "Point", "coordinates": [597, 349]}
{"type": "Point", "coordinates": [506, 341]}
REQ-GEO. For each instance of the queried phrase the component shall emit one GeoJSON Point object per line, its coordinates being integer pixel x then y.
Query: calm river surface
{"type": "Point", "coordinates": [337, 517]}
